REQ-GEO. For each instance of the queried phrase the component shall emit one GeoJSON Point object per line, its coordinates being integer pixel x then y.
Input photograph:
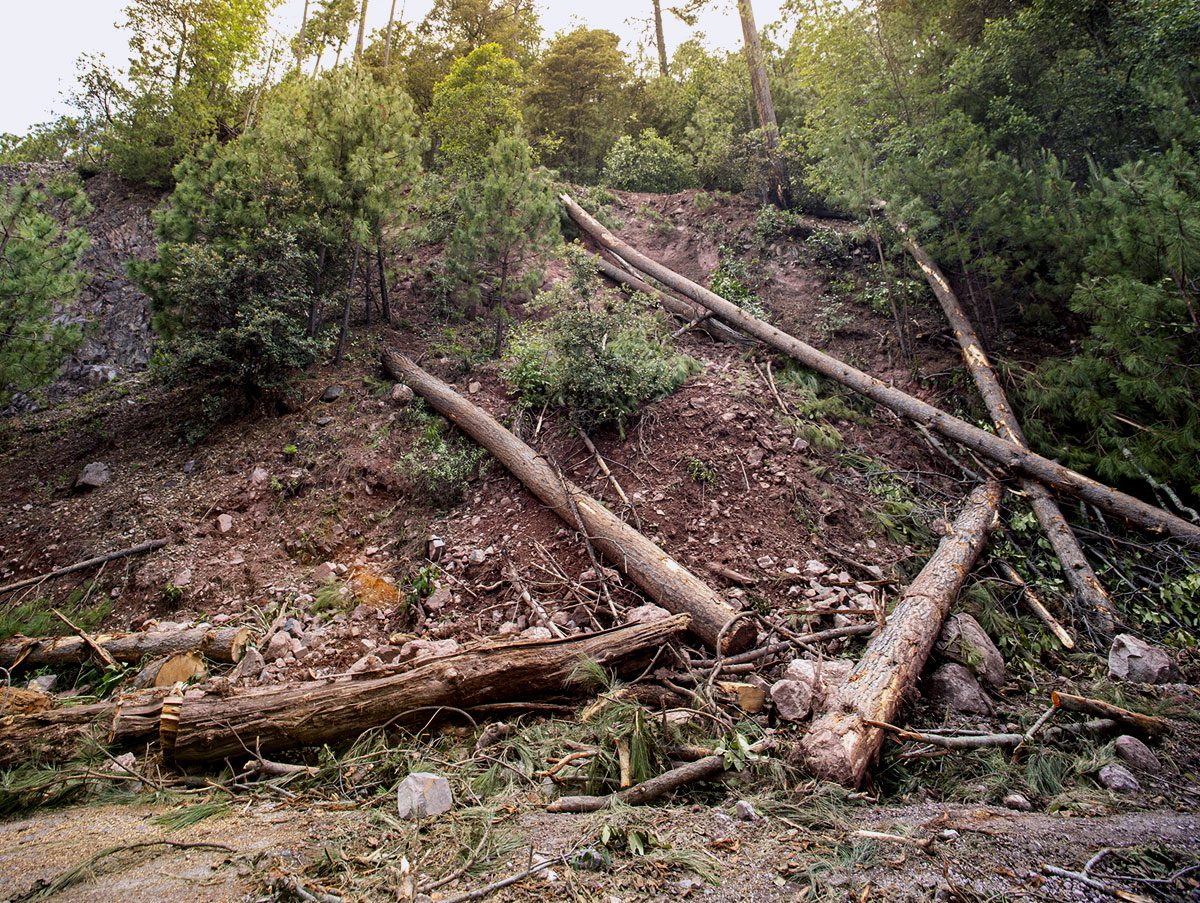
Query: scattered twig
{"type": "Point", "coordinates": [101, 653]}
{"type": "Point", "coordinates": [141, 549]}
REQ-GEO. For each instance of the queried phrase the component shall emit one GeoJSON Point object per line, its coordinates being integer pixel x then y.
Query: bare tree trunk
{"type": "Point", "coordinates": [780, 193]}
{"type": "Point", "coordinates": [341, 343]}
{"type": "Point", "coordinates": [1007, 454]}
{"type": "Point", "coordinates": [1088, 591]}
{"type": "Point", "coordinates": [212, 727]}
{"type": "Point", "coordinates": [224, 645]}
{"type": "Point", "coordinates": [387, 39]}
{"type": "Point", "coordinates": [302, 43]}
{"type": "Point", "coordinates": [362, 30]}
{"type": "Point", "coordinates": [840, 746]}
{"type": "Point", "coordinates": [384, 295]}
{"type": "Point", "coordinates": [660, 40]}
{"type": "Point", "coordinates": [314, 306]}
{"type": "Point", "coordinates": [665, 580]}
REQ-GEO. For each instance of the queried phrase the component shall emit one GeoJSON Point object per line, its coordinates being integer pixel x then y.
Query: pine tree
{"type": "Point", "coordinates": [38, 272]}
{"type": "Point", "coordinates": [508, 222]}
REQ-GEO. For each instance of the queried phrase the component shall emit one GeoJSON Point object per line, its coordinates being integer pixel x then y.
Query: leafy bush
{"type": "Point", "coordinates": [440, 466]}
{"type": "Point", "coordinates": [38, 272]}
{"type": "Point", "coordinates": [476, 103]}
{"type": "Point", "coordinates": [601, 367]}
{"type": "Point", "coordinates": [648, 163]}
{"type": "Point", "coordinates": [732, 280]}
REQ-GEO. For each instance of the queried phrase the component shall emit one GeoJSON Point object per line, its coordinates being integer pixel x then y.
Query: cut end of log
{"type": "Point", "coordinates": [239, 645]}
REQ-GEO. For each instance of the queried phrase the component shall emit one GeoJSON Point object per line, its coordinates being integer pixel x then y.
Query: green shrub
{"type": "Point", "coordinates": [601, 367]}
{"type": "Point", "coordinates": [440, 466]}
{"type": "Point", "coordinates": [732, 281]}
{"type": "Point", "coordinates": [648, 163]}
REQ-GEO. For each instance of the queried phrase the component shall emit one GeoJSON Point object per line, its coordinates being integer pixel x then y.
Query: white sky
{"type": "Point", "coordinates": [40, 40]}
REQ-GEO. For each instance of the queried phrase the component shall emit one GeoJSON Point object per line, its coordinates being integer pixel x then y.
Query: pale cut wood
{"type": "Point", "coordinates": [209, 728]}
{"type": "Point", "coordinates": [1085, 585]}
{"type": "Point", "coordinates": [842, 743]}
{"type": "Point", "coordinates": [225, 644]}
{"type": "Point", "coordinates": [1008, 454]}
{"type": "Point", "coordinates": [665, 580]}
{"type": "Point", "coordinates": [1036, 606]}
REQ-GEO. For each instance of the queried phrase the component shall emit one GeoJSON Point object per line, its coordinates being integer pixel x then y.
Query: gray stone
{"type": "Point", "coordinates": [952, 686]}
{"type": "Point", "coordinates": [744, 811]}
{"type": "Point", "coordinates": [250, 666]}
{"type": "Point", "coordinates": [278, 646]}
{"type": "Point", "coordinates": [428, 648]}
{"type": "Point", "coordinates": [259, 475]}
{"type": "Point", "coordinates": [1137, 661]}
{"type": "Point", "coordinates": [793, 699]}
{"type": "Point", "coordinates": [93, 476]}
{"type": "Point", "coordinates": [474, 388]}
{"type": "Point", "coordinates": [333, 393]}
{"type": "Point", "coordinates": [962, 640]}
{"type": "Point", "coordinates": [439, 599]}
{"type": "Point", "coordinates": [1018, 802]}
{"type": "Point", "coordinates": [224, 523]}
{"type": "Point", "coordinates": [44, 684]}
{"type": "Point", "coordinates": [815, 568]}
{"type": "Point", "coordinates": [422, 794]}
{"type": "Point", "coordinates": [1138, 754]}
{"type": "Point", "coordinates": [646, 614]}
{"type": "Point", "coordinates": [823, 677]}
{"type": "Point", "coordinates": [401, 394]}
{"type": "Point", "coordinates": [369, 662]}
{"type": "Point", "coordinates": [324, 421]}
{"type": "Point", "coordinates": [536, 633]}
{"type": "Point", "coordinates": [1118, 779]}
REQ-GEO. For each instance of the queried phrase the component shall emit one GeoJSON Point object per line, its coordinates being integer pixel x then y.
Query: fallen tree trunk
{"type": "Point", "coordinates": [685, 310]}
{"type": "Point", "coordinates": [226, 644]}
{"type": "Point", "coordinates": [665, 580]}
{"type": "Point", "coordinates": [1008, 454]}
{"type": "Point", "coordinates": [61, 733]}
{"type": "Point", "coordinates": [841, 744]}
{"type": "Point", "coordinates": [1087, 588]}
{"type": "Point", "coordinates": [209, 728]}
{"type": "Point", "coordinates": [140, 549]}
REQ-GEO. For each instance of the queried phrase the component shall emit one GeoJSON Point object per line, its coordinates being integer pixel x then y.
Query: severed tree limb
{"type": "Point", "coordinates": [226, 644]}
{"type": "Point", "coordinates": [842, 743]}
{"type": "Point", "coordinates": [665, 580]}
{"type": "Point", "coordinates": [1089, 592]}
{"type": "Point", "coordinates": [106, 657]}
{"type": "Point", "coordinates": [1035, 605]}
{"type": "Point", "coordinates": [1151, 725]}
{"type": "Point", "coordinates": [1008, 454]}
{"type": "Point", "coordinates": [139, 549]}
{"type": "Point", "coordinates": [609, 475]}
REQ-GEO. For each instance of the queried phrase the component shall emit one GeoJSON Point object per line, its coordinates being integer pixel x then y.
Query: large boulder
{"type": "Point", "coordinates": [953, 687]}
{"type": "Point", "coordinates": [964, 642]}
{"type": "Point", "coordinates": [1137, 661]}
{"type": "Point", "coordinates": [1136, 753]}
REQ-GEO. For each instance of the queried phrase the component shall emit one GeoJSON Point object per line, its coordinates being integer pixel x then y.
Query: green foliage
{"type": "Point", "coordinates": [732, 280]}
{"type": "Point", "coordinates": [600, 366]}
{"type": "Point", "coordinates": [440, 466]}
{"type": "Point", "coordinates": [647, 163]}
{"type": "Point", "coordinates": [181, 87]}
{"type": "Point", "coordinates": [579, 100]}
{"type": "Point", "coordinates": [473, 106]}
{"type": "Point", "coordinates": [39, 274]}
{"type": "Point", "coordinates": [507, 224]}
{"type": "Point", "coordinates": [702, 472]}
{"type": "Point", "coordinates": [34, 617]}
{"type": "Point", "coordinates": [260, 235]}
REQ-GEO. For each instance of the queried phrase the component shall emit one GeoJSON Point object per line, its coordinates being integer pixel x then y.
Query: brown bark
{"type": "Point", "coordinates": [61, 733]}
{"type": "Point", "coordinates": [362, 30]}
{"type": "Point", "coordinates": [666, 581]}
{"type": "Point", "coordinates": [647, 791]}
{"type": "Point", "coordinates": [841, 745]}
{"type": "Point", "coordinates": [1008, 454]}
{"type": "Point", "coordinates": [221, 645]}
{"type": "Point", "coordinates": [780, 193]}
{"type": "Point", "coordinates": [1088, 591]}
{"type": "Point", "coordinates": [213, 727]}
{"type": "Point", "coordinates": [140, 549]}
{"type": "Point", "coordinates": [659, 40]}
{"type": "Point", "coordinates": [1151, 725]}
{"type": "Point", "coordinates": [685, 310]}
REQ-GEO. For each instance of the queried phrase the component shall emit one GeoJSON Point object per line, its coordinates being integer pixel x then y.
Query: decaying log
{"type": "Point", "coordinates": [1008, 454]}
{"type": "Point", "coordinates": [1150, 725]}
{"type": "Point", "coordinates": [685, 310]}
{"type": "Point", "coordinates": [60, 733]}
{"type": "Point", "coordinates": [665, 580]}
{"type": "Point", "coordinates": [225, 644]}
{"type": "Point", "coordinates": [139, 549]}
{"type": "Point", "coordinates": [841, 744]}
{"type": "Point", "coordinates": [1089, 592]}
{"type": "Point", "coordinates": [208, 728]}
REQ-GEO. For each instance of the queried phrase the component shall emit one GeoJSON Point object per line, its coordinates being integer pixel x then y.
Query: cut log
{"type": "Point", "coordinates": [172, 669]}
{"type": "Point", "coordinates": [209, 728]}
{"type": "Point", "coordinates": [842, 744]}
{"type": "Point", "coordinates": [140, 549]}
{"type": "Point", "coordinates": [61, 733]}
{"type": "Point", "coordinates": [1089, 592]}
{"type": "Point", "coordinates": [1008, 454]}
{"type": "Point", "coordinates": [665, 580]}
{"type": "Point", "coordinates": [684, 310]}
{"type": "Point", "coordinates": [226, 644]}
{"type": "Point", "coordinates": [1150, 725]}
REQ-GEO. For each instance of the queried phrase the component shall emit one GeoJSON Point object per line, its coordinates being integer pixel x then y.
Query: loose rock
{"type": "Point", "coordinates": [93, 476]}
{"type": "Point", "coordinates": [1018, 802]}
{"type": "Point", "coordinates": [333, 393]}
{"type": "Point", "coordinates": [224, 523]}
{"type": "Point", "coordinates": [401, 394]}
{"type": "Point", "coordinates": [962, 640]}
{"type": "Point", "coordinates": [1118, 779]}
{"type": "Point", "coordinates": [422, 794]}
{"type": "Point", "coordinates": [646, 614]}
{"type": "Point", "coordinates": [954, 687]}
{"type": "Point", "coordinates": [1138, 754]}
{"type": "Point", "coordinates": [1137, 661]}
{"type": "Point", "coordinates": [793, 699]}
